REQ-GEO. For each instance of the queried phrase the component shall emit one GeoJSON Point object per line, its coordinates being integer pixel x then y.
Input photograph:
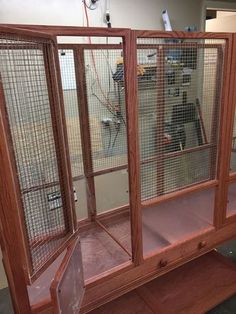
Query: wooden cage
{"type": "Point", "coordinates": [121, 149]}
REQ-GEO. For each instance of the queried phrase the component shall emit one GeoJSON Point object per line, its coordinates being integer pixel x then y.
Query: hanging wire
{"type": "Point", "coordinates": [91, 6]}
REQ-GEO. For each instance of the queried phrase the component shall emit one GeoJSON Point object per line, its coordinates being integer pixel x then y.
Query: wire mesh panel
{"type": "Point", "coordinates": [179, 89]}
{"type": "Point", "coordinates": [66, 57]}
{"type": "Point", "coordinates": [25, 83]}
{"type": "Point", "coordinates": [233, 150]}
{"type": "Point", "coordinates": [105, 98]}
{"type": "Point", "coordinates": [106, 102]}
{"type": "Point", "coordinates": [67, 67]}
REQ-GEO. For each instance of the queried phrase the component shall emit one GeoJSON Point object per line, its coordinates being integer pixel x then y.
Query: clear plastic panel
{"type": "Point", "coordinates": [231, 205]}
{"type": "Point", "coordinates": [68, 292]}
{"type": "Point", "coordinates": [112, 190]}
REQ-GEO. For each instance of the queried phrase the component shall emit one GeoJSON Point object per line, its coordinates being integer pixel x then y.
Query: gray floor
{"type": "Point", "coordinates": [227, 307]}
{"type": "Point", "coordinates": [5, 302]}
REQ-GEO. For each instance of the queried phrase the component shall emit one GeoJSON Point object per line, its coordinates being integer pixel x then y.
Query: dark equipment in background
{"type": "Point", "coordinates": [181, 115]}
{"type": "Point", "coordinates": [108, 19]}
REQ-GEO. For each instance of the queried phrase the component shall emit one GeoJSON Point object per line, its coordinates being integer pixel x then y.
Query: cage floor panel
{"type": "Point", "coordinates": [163, 224]}
{"type": "Point", "coordinates": [177, 219]}
{"type": "Point", "coordinates": [40, 289]}
{"type": "Point", "coordinates": [168, 222]}
{"type": "Point", "coordinates": [171, 294]}
{"type": "Point", "coordinates": [100, 252]}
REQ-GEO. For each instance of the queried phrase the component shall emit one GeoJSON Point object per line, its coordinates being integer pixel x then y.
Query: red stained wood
{"type": "Point", "coordinates": [195, 287]}
{"type": "Point", "coordinates": [25, 33]}
{"type": "Point", "coordinates": [175, 220]}
{"type": "Point", "coordinates": [110, 233]}
{"type": "Point", "coordinates": [181, 34]}
{"type": "Point", "coordinates": [59, 136]}
{"type": "Point", "coordinates": [130, 303]}
{"type": "Point", "coordinates": [160, 131]}
{"type": "Point", "coordinates": [215, 114]}
{"type": "Point", "coordinates": [174, 231]}
{"type": "Point", "coordinates": [225, 136]}
{"type": "Point", "coordinates": [69, 30]}
{"type": "Point", "coordinates": [67, 165]}
{"type": "Point", "coordinates": [108, 253]}
{"type": "Point", "coordinates": [85, 131]}
{"type": "Point", "coordinates": [90, 46]}
{"type": "Point", "coordinates": [119, 227]}
{"type": "Point", "coordinates": [130, 72]}
{"type": "Point", "coordinates": [231, 119]}
{"type": "Point", "coordinates": [14, 246]}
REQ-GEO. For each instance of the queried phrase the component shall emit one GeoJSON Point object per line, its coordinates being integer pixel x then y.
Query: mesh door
{"type": "Point", "coordinates": [32, 132]}
{"type": "Point", "coordinates": [106, 104]}
{"type": "Point", "coordinates": [179, 90]}
{"type": "Point", "coordinates": [71, 104]}
{"type": "Point", "coordinates": [67, 66]}
{"type": "Point", "coordinates": [233, 150]}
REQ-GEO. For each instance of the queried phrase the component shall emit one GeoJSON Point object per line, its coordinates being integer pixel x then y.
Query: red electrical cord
{"type": "Point", "coordinates": [108, 105]}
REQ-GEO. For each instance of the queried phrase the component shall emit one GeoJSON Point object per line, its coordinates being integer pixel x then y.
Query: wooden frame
{"type": "Point", "coordinates": [48, 42]}
{"type": "Point", "coordinates": [116, 282]}
{"type": "Point", "coordinates": [78, 51]}
{"type": "Point", "coordinates": [85, 131]}
{"type": "Point", "coordinates": [230, 177]}
{"type": "Point", "coordinates": [12, 231]}
{"type": "Point", "coordinates": [224, 115]}
{"type": "Point", "coordinates": [60, 143]}
{"type": "Point", "coordinates": [73, 252]}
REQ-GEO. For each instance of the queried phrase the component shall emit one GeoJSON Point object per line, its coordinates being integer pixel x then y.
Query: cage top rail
{"type": "Point", "coordinates": [72, 30]}
{"type": "Point", "coordinates": [25, 33]}
{"type": "Point", "coordinates": [141, 46]}
{"type": "Point", "coordinates": [114, 32]}
{"type": "Point", "coordinates": [181, 34]}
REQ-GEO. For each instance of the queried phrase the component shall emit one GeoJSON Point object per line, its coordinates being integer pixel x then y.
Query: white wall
{"type": "Point", "coordinates": [136, 14]}
{"type": "Point", "coordinates": [221, 4]}
{"type": "Point", "coordinates": [223, 23]}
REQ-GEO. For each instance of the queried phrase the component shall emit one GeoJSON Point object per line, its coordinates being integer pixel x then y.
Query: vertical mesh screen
{"type": "Point", "coordinates": [27, 103]}
{"type": "Point", "coordinates": [233, 150]}
{"type": "Point", "coordinates": [66, 57]}
{"type": "Point", "coordinates": [179, 86]}
{"type": "Point", "coordinates": [106, 102]}
{"type": "Point", "coordinates": [67, 67]}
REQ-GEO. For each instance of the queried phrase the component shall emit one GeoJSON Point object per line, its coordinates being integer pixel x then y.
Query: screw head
{"type": "Point", "coordinates": [163, 263]}
{"type": "Point", "coordinates": [202, 244]}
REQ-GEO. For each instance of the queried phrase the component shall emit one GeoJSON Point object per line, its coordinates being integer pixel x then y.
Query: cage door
{"type": "Point", "coordinates": [67, 288]}
{"type": "Point", "coordinates": [35, 150]}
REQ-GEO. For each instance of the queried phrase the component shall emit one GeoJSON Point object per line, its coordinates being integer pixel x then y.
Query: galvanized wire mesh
{"type": "Point", "coordinates": [106, 103]}
{"type": "Point", "coordinates": [179, 87]}
{"type": "Point", "coordinates": [66, 57]}
{"type": "Point", "coordinates": [71, 105]}
{"type": "Point", "coordinates": [24, 80]}
{"type": "Point", "coordinates": [233, 151]}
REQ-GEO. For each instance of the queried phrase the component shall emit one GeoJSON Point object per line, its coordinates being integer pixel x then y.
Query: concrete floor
{"type": "Point", "coordinates": [5, 302]}
{"type": "Point", "coordinates": [227, 307]}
